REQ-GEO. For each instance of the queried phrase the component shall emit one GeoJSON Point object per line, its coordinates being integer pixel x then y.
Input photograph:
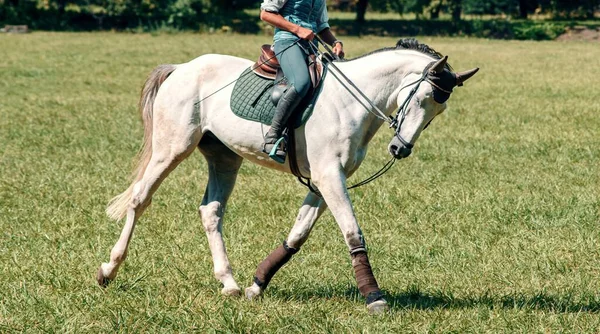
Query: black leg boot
{"type": "Point", "coordinates": [274, 142]}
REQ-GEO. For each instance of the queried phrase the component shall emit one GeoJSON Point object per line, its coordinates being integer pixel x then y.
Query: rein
{"type": "Point", "coordinates": [401, 112]}
{"type": "Point", "coordinates": [379, 114]}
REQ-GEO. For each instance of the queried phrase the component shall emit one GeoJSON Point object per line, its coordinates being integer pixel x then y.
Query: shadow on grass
{"type": "Point", "coordinates": [535, 301]}
{"type": "Point", "coordinates": [413, 298]}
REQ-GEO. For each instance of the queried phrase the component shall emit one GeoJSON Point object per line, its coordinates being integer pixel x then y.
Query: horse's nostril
{"type": "Point", "coordinates": [399, 151]}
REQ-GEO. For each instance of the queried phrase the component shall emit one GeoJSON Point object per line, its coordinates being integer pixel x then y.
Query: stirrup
{"type": "Point", "coordinates": [274, 154]}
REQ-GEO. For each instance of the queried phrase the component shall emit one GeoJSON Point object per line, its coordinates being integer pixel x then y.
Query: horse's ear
{"type": "Point", "coordinates": [438, 67]}
{"type": "Point", "coordinates": [463, 76]}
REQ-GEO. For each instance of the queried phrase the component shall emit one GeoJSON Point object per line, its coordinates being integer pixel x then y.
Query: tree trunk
{"type": "Point", "coordinates": [361, 9]}
{"type": "Point", "coordinates": [61, 6]}
{"type": "Point", "coordinates": [434, 12]}
{"type": "Point", "coordinates": [590, 10]}
{"type": "Point", "coordinates": [456, 10]}
{"type": "Point", "coordinates": [523, 9]}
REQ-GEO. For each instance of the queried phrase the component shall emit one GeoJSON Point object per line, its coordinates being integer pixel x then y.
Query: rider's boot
{"type": "Point", "coordinates": [275, 144]}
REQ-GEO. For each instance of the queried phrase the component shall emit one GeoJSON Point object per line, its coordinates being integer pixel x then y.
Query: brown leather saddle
{"type": "Point", "coordinates": [268, 67]}
{"type": "Point", "coordinates": [267, 64]}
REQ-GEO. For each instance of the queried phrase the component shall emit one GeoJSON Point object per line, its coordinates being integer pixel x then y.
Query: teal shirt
{"type": "Point", "coordinates": [310, 14]}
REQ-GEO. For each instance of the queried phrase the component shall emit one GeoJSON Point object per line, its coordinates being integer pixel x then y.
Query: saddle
{"type": "Point", "coordinates": [268, 67]}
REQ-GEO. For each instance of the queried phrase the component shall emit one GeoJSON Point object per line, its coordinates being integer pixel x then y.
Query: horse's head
{"type": "Point", "coordinates": [426, 99]}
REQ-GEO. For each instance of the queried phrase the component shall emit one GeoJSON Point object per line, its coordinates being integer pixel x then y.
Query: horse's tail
{"type": "Point", "coordinates": [117, 207]}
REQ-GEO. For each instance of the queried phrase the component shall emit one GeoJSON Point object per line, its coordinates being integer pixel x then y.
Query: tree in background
{"type": "Point", "coordinates": [455, 8]}
{"type": "Point", "coordinates": [190, 14]}
{"type": "Point", "coordinates": [434, 9]}
{"type": "Point", "coordinates": [418, 7]}
{"type": "Point", "coordinates": [361, 10]}
{"type": "Point", "coordinates": [525, 7]}
{"type": "Point", "coordinates": [516, 8]}
{"type": "Point", "coordinates": [495, 7]}
{"type": "Point", "coordinates": [573, 8]}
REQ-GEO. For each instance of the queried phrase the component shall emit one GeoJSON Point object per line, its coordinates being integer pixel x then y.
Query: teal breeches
{"type": "Point", "coordinates": [294, 64]}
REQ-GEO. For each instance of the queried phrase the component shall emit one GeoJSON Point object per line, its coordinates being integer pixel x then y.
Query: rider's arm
{"type": "Point", "coordinates": [269, 12]}
{"type": "Point", "coordinates": [329, 38]}
{"type": "Point", "coordinates": [278, 21]}
{"type": "Point", "coordinates": [325, 33]}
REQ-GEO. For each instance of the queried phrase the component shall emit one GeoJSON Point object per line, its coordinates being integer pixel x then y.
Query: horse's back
{"type": "Point", "coordinates": [200, 77]}
{"type": "Point", "coordinates": [197, 95]}
{"type": "Point", "coordinates": [215, 65]}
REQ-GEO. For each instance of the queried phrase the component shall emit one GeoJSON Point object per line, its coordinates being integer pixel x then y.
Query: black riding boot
{"type": "Point", "coordinates": [274, 142]}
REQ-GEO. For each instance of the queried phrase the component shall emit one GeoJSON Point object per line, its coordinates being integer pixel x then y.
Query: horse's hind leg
{"type": "Point", "coordinates": [223, 166]}
{"type": "Point", "coordinates": [165, 157]}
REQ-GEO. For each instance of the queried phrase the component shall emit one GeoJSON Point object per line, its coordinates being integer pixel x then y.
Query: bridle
{"type": "Point", "coordinates": [396, 121]}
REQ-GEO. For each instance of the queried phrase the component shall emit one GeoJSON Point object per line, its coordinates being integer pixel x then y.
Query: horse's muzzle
{"type": "Point", "coordinates": [398, 150]}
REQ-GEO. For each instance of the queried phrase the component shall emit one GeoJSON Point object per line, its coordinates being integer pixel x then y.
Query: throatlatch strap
{"type": "Point", "coordinates": [272, 263]}
{"type": "Point", "coordinates": [367, 285]}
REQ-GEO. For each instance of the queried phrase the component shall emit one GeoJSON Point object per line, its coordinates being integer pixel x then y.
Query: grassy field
{"type": "Point", "coordinates": [490, 226]}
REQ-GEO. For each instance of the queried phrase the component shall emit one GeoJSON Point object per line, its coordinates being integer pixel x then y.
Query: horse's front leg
{"type": "Point", "coordinates": [311, 210]}
{"type": "Point", "coordinates": [332, 184]}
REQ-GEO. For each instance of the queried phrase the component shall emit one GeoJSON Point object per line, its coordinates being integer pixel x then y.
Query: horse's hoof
{"type": "Point", "coordinates": [233, 292]}
{"type": "Point", "coordinates": [253, 292]}
{"type": "Point", "coordinates": [378, 307]}
{"type": "Point", "coordinates": [102, 280]}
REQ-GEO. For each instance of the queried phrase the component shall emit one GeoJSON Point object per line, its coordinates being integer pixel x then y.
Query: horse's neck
{"type": "Point", "coordinates": [380, 76]}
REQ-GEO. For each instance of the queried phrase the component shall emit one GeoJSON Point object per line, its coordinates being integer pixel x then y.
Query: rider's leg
{"type": "Point", "coordinates": [294, 66]}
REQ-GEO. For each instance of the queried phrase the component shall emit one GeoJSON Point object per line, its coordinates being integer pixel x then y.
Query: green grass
{"type": "Point", "coordinates": [490, 226]}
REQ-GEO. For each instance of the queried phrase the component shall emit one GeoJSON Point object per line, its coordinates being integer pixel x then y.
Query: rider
{"type": "Point", "coordinates": [294, 21]}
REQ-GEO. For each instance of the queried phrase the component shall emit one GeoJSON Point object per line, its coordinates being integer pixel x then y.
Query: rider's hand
{"type": "Point", "coordinates": [338, 49]}
{"type": "Point", "coordinates": [306, 34]}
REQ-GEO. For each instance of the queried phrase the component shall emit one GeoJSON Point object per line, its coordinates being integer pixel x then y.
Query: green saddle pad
{"type": "Point", "coordinates": [251, 100]}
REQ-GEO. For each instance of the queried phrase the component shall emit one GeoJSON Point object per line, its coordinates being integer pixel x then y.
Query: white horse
{"type": "Point", "coordinates": [179, 116]}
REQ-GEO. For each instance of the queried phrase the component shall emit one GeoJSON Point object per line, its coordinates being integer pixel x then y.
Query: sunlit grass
{"type": "Point", "coordinates": [491, 225]}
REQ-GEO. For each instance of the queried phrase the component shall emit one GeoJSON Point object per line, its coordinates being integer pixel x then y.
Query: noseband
{"type": "Point", "coordinates": [396, 122]}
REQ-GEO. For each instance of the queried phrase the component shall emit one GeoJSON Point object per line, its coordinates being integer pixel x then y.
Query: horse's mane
{"type": "Point", "coordinates": [409, 44]}
{"type": "Point", "coordinates": [413, 44]}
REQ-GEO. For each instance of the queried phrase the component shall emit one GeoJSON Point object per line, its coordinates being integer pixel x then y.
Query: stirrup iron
{"type": "Point", "coordinates": [280, 158]}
